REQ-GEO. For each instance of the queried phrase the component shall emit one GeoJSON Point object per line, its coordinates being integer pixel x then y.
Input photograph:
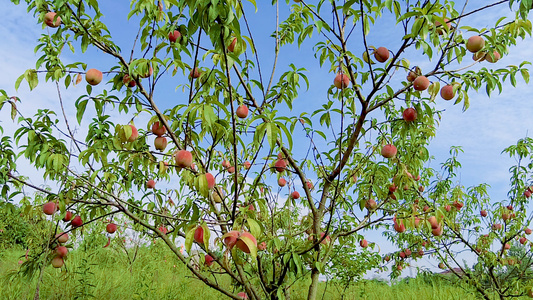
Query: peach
{"type": "Point", "coordinates": [371, 204]}
{"type": "Point", "coordinates": [183, 159]}
{"type": "Point", "coordinates": [195, 73]}
{"type": "Point", "coordinates": [242, 111]}
{"type": "Point", "coordinates": [208, 260]}
{"type": "Point", "coordinates": [440, 29]}
{"type": "Point", "coordinates": [494, 59]}
{"type": "Point", "coordinates": [230, 238]}
{"type": "Point", "coordinates": [325, 240]}
{"type": "Point", "coordinates": [433, 221]}
{"type": "Point", "coordinates": [409, 114]}
{"type": "Point", "coordinates": [381, 54]}
{"type": "Point", "coordinates": [57, 262]}
{"type": "Point", "coordinates": [243, 295]}
{"type": "Point", "coordinates": [231, 46]}
{"type": "Point", "coordinates": [62, 237]}
{"type": "Point", "coordinates": [158, 129]}
{"type": "Point", "coordinates": [150, 184]}
{"type": "Point", "coordinates": [475, 43]}
{"type": "Point", "coordinates": [76, 222]}
{"type": "Point", "coordinates": [242, 245]}
{"type": "Point", "coordinates": [160, 143]}
{"type": "Point", "coordinates": [280, 165]}
{"type": "Point", "coordinates": [68, 216]}
{"type": "Point", "coordinates": [399, 227]}
{"type": "Point", "coordinates": [49, 208]}
{"type": "Point", "coordinates": [134, 134]}
{"type": "Point", "coordinates": [341, 81]}
{"type": "Point", "coordinates": [479, 56]}
{"type": "Point", "coordinates": [174, 36]}
{"type": "Point", "coordinates": [61, 251]}
{"type": "Point", "coordinates": [421, 83]}
{"type": "Point", "coordinates": [447, 92]}
{"type": "Point", "coordinates": [437, 231]}
{"type": "Point", "coordinates": [49, 19]}
{"type": "Point", "coordinates": [128, 81]}
{"type": "Point", "coordinates": [411, 76]}
{"type": "Point", "coordinates": [210, 180]}
{"type": "Point", "coordinates": [111, 228]}
{"type": "Point", "coordinates": [93, 76]}
{"type": "Point", "coordinates": [262, 246]}
{"type": "Point", "coordinates": [199, 235]}
{"type": "Point", "coordinates": [389, 151]}
{"type": "Point", "coordinates": [218, 194]}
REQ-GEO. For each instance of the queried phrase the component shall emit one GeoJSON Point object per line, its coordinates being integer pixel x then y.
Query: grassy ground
{"type": "Point", "coordinates": [156, 274]}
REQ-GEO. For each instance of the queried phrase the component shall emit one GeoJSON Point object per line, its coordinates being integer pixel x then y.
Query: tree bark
{"type": "Point", "coordinates": [313, 287]}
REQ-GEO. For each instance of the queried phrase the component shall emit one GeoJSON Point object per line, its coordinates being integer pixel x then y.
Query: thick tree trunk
{"type": "Point", "coordinates": [313, 288]}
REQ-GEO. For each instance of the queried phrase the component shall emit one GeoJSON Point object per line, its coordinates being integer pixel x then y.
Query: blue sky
{"type": "Point", "coordinates": [484, 130]}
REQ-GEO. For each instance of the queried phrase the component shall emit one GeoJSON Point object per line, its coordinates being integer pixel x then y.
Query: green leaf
{"type": "Point", "coordinates": [320, 267]}
{"type": "Point", "coordinates": [203, 187]}
{"type": "Point", "coordinates": [127, 131]}
{"type": "Point", "coordinates": [81, 106]}
{"type": "Point", "coordinates": [207, 235]}
{"type": "Point", "coordinates": [13, 111]}
{"type": "Point", "coordinates": [525, 75]}
{"type": "Point", "coordinates": [18, 81]}
{"type": "Point", "coordinates": [189, 238]}
{"type": "Point", "coordinates": [272, 135]}
{"type": "Point", "coordinates": [255, 229]}
{"type": "Point", "coordinates": [298, 263]}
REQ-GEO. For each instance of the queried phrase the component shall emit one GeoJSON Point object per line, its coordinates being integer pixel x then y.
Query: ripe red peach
{"type": "Point", "coordinates": [341, 81]}
{"type": "Point", "coordinates": [49, 19]}
{"type": "Point", "coordinates": [49, 208]}
{"type": "Point", "coordinates": [158, 129]}
{"type": "Point", "coordinates": [389, 151]}
{"type": "Point", "coordinates": [174, 36]}
{"type": "Point", "coordinates": [447, 92]}
{"type": "Point", "coordinates": [242, 111]}
{"type": "Point", "coordinates": [409, 114]}
{"type": "Point", "coordinates": [210, 180]}
{"type": "Point", "coordinates": [111, 228]}
{"type": "Point", "coordinates": [421, 83]}
{"type": "Point", "coordinates": [381, 54]}
{"type": "Point", "coordinates": [280, 165]}
{"type": "Point", "coordinates": [183, 159]}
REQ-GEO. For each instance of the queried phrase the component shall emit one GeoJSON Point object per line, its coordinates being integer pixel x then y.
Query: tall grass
{"type": "Point", "coordinates": [107, 274]}
{"type": "Point", "coordinates": [155, 273]}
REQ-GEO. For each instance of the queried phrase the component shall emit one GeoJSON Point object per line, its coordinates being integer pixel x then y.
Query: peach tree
{"type": "Point", "coordinates": [200, 125]}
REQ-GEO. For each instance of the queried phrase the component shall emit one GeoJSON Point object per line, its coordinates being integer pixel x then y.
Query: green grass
{"type": "Point", "coordinates": [108, 274]}
{"type": "Point", "coordinates": [156, 274]}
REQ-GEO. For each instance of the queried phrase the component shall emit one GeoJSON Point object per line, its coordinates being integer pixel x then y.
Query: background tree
{"type": "Point", "coordinates": [227, 159]}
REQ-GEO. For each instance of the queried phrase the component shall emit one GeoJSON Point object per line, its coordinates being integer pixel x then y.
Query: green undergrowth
{"type": "Point", "coordinates": [155, 273]}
